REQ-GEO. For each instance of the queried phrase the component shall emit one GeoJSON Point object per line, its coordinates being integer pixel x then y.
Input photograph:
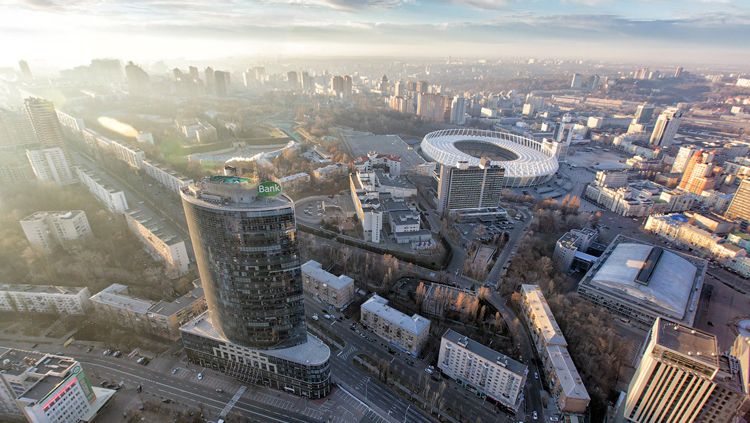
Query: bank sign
{"type": "Point", "coordinates": [269, 189]}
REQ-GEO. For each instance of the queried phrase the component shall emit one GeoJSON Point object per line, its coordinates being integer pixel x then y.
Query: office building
{"type": "Point", "coordinates": [51, 165]}
{"type": "Point", "coordinates": [567, 387]}
{"type": "Point", "coordinates": [49, 388]}
{"type": "Point", "coordinates": [44, 299]}
{"type": "Point", "coordinates": [466, 186]}
{"type": "Point", "coordinates": [114, 200]}
{"type": "Point", "coordinates": [160, 240]}
{"type": "Point", "coordinates": [640, 282]}
{"type": "Point", "coordinates": [573, 244]}
{"type": "Point", "coordinates": [246, 247]}
{"type": "Point", "coordinates": [163, 318]}
{"type": "Point", "coordinates": [406, 333]}
{"type": "Point", "coordinates": [43, 118]}
{"type": "Point", "coordinates": [739, 208]}
{"type": "Point", "coordinates": [687, 231]}
{"type": "Point", "coordinates": [337, 291]}
{"type": "Point", "coordinates": [666, 127]}
{"type": "Point", "coordinates": [681, 377]}
{"type": "Point", "coordinates": [44, 229]}
{"type": "Point", "coordinates": [482, 370]}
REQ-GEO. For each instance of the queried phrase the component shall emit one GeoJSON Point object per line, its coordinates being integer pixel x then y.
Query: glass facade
{"type": "Point", "coordinates": [247, 255]}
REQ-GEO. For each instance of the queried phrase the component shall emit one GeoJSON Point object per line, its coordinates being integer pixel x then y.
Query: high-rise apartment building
{"type": "Point", "coordinates": [44, 122]}
{"type": "Point", "coordinates": [666, 127]}
{"type": "Point", "coordinates": [458, 111]}
{"type": "Point", "coordinates": [684, 154]}
{"type": "Point", "coordinates": [466, 186]}
{"type": "Point", "coordinates": [577, 81]}
{"type": "Point", "coordinates": [51, 165]}
{"type": "Point", "coordinates": [208, 74]}
{"type": "Point", "coordinates": [221, 83]}
{"type": "Point", "coordinates": [44, 229]}
{"type": "Point", "coordinates": [138, 79]}
{"type": "Point", "coordinates": [739, 208]}
{"type": "Point", "coordinates": [682, 378]}
{"type": "Point", "coordinates": [643, 113]}
{"type": "Point", "coordinates": [698, 174]}
{"type": "Point", "coordinates": [245, 240]}
{"type": "Point", "coordinates": [431, 107]}
{"type": "Point", "coordinates": [23, 66]}
{"type": "Point", "coordinates": [15, 130]}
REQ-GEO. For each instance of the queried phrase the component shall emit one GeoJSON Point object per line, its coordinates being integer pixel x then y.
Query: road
{"type": "Point", "coordinates": [368, 388]}
{"type": "Point", "coordinates": [179, 390]}
{"type": "Point", "coordinates": [500, 266]}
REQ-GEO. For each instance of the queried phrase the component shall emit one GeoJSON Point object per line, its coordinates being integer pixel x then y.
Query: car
{"type": "Point", "coordinates": [174, 371]}
{"type": "Point", "coordinates": [328, 316]}
{"type": "Point", "coordinates": [219, 390]}
{"type": "Point", "coordinates": [34, 346]}
{"type": "Point", "coordinates": [315, 316]}
{"type": "Point", "coordinates": [117, 354]}
{"type": "Point", "coordinates": [140, 360]}
{"type": "Point", "coordinates": [166, 400]}
{"type": "Point", "coordinates": [89, 349]}
{"type": "Point", "coordinates": [554, 419]}
{"type": "Point", "coordinates": [536, 375]}
{"type": "Point", "coordinates": [200, 376]}
{"type": "Point", "coordinates": [534, 415]}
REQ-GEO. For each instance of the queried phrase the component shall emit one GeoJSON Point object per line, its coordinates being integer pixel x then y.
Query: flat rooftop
{"type": "Point", "coordinates": [313, 352]}
{"type": "Point", "coordinates": [55, 369]}
{"type": "Point", "coordinates": [695, 343]}
{"type": "Point", "coordinates": [232, 193]}
{"type": "Point", "coordinates": [378, 305]}
{"type": "Point", "coordinates": [567, 373]}
{"type": "Point", "coordinates": [63, 214]}
{"type": "Point", "coordinates": [164, 308]}
{"type": "Point", "coordinates": [18, 361]}
{"type": "Point", "coordinates": [544, 319]}
{"type": "Point", "coordinates": [314, 269]}
{"type": "Point", "coordinates": [116, 295]}
{"type": "Point", "coordinates": [485, 352]}
{"type": "Point", "coordinates": [42, 289]}
{"type": "Point", "coordinates": [156, 225]}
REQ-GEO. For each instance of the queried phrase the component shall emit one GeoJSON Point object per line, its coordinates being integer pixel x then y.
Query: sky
{"type": "Point", "coordinates": [64, 33]}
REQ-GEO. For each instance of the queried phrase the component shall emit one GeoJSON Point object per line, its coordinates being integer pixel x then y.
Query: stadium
{"type": "Point", "coordinates": [526, 161]}
{"type": "Point", "coordinates": [474, 165]}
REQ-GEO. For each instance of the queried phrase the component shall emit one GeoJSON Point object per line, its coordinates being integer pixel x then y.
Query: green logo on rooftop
{"type": "Point", "coordinates": [269, 189]}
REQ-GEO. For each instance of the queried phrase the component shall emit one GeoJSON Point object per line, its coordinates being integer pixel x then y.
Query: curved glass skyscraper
{"type": "Point", "coordinates": [245, 243]}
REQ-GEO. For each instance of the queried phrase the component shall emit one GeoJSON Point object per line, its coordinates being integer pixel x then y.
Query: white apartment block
{"type": "Point", "coordinates": [330, 172]}
{"type": "Point", "coordinates": [114, 200]}
{"type": "Point", "coordinates": [199, 131]}
{"type": "Point", "coordinates": [404, 332]}
{"type": "Point", "coordinates": [337, 291]}
{"type": "Point", "coordinates": [132, 156]}
{"type": "Point", "coordinates": [163, 319]}
{"type": "Point", "coordinates": [44, 229]}
{"type": "Point", "coordinates": [70, 122]}
{"type": "Point", "coordinates": [51, 165]}
{"type": "Point", "coordinates": [567, 387]}
{"type": "Point", "coordinates": [44, 299]}
{"type": "Point", "coordinates": [481, 369]}
{"type": "Point", "coordinates": [679, 229]}
{"type": "Point", "coordinates": [160, 241]}
{"type": "Point", "coordinates": [170, 179]}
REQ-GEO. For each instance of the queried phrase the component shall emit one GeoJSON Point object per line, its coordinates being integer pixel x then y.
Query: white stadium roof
{"type": "Point", "coordinates": [533, 159]}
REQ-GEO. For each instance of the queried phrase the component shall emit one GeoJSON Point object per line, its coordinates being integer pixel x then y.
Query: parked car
{"type": "Point", "coordinates": [200, 376]}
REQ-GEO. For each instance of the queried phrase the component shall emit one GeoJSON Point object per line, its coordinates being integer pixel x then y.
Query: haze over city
{"type": "Point", "coordinates": [692, 31]}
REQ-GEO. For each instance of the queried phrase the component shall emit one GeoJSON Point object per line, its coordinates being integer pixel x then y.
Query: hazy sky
{"type": "Point", "coordinates": [70, 32]}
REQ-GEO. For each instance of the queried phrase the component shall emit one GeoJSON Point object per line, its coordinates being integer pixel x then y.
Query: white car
{"type": "Point", "coordinates": [428, 370]}
{"type": "Point", "coordinates": [534, 415]}
{"type": "Point", "coordinates": [200, 377]}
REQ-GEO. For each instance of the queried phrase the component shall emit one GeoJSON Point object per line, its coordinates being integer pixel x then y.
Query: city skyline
{"type": "Point", "coordinates": [667, 31]}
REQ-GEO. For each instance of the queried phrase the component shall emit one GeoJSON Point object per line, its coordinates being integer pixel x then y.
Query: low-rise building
{"type": "Point", "coordinates": [295, 181]}
{"type": "Point", "coordinates": [404, 332]}
{"type": "Point", "coordinates": [640, 198]}
{"type": "Point", "coordinates": [330, 172]}
{"type": "Point", "coordinates": [572, 244]}
{"type": "Point", "coordinates": [481, 369]}
{"type": "Point", "coordinates": [170, 179]}
{"type": "Point", "coordinates": [565, 382]}
{"type": "Point", "coordinates": [160, 240]}
{"type": "Point", "coordinates": [50, 388]}
{"type": "Point", "coordinates": [113, 199]}
{"type": "Point", "coordinates": [337, 291]}
{"type": "Point", "coordinates": [163, 319]}
{"type": "Point", "coordinates": [44, 299]}
{"type": "Point", "coordinates": [44, 229]}
{"type": "Point", "coordinates": [691, 230]}
{"type": "Point", "coordinates": [374, 160]}
{"type": "Point", "coordinates": [198, 131]}
{"type": "Point", "coordinates": [440, 299]}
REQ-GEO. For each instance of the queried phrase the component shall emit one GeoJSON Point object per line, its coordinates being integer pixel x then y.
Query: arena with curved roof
{"type": "Point", "coordinates": [642, 282]}
{"type": "Point", "coordinates": [526, 161]}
